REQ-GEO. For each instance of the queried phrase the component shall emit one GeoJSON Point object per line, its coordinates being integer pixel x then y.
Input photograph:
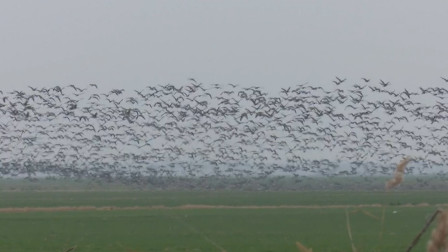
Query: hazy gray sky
{"type": "Point", "coordinates": [267, 43]}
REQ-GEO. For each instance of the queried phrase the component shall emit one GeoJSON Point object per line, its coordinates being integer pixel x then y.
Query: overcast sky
{"type": "Point", "coordinates": [271, 44]}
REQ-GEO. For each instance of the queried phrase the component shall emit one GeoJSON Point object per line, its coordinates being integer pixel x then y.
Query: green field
{"type": "Point", "coordinates": [320, 222]}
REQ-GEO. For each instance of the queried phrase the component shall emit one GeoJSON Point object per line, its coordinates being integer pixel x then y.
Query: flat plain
{"type": "Point", "coordinates": [142, 220]}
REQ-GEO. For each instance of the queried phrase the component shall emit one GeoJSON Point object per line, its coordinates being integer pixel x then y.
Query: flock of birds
{"type": "Point", "coordinates": [196, 130]}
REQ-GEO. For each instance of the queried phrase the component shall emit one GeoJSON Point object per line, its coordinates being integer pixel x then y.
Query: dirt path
{"type": "Point", "coordinates": [115, 208]}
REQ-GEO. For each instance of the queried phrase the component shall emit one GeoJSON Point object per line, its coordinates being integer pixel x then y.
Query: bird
{"type": "Point", "coordinates": [384, 84]}
{"type": "Point", "coordinates": [338, 81]}
{"type": "Point", "coordinates": [196, 129]}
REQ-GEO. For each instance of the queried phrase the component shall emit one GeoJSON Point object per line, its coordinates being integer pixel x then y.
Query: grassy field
{"type": "Point", "coordinates": [273, 222]}
{"type": "Point", "coordinates": [217, 183]}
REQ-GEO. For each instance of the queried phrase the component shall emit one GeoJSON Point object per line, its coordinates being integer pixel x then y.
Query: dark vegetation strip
{"type": "Point", "coordinates": [213, 198]}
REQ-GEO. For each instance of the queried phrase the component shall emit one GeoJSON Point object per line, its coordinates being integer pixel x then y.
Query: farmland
{"type": "Point", "coordinates": [143, 220]}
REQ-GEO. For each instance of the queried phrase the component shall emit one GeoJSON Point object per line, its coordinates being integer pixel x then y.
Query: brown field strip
{"type": "Point", "coordinates": [115, 208]}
